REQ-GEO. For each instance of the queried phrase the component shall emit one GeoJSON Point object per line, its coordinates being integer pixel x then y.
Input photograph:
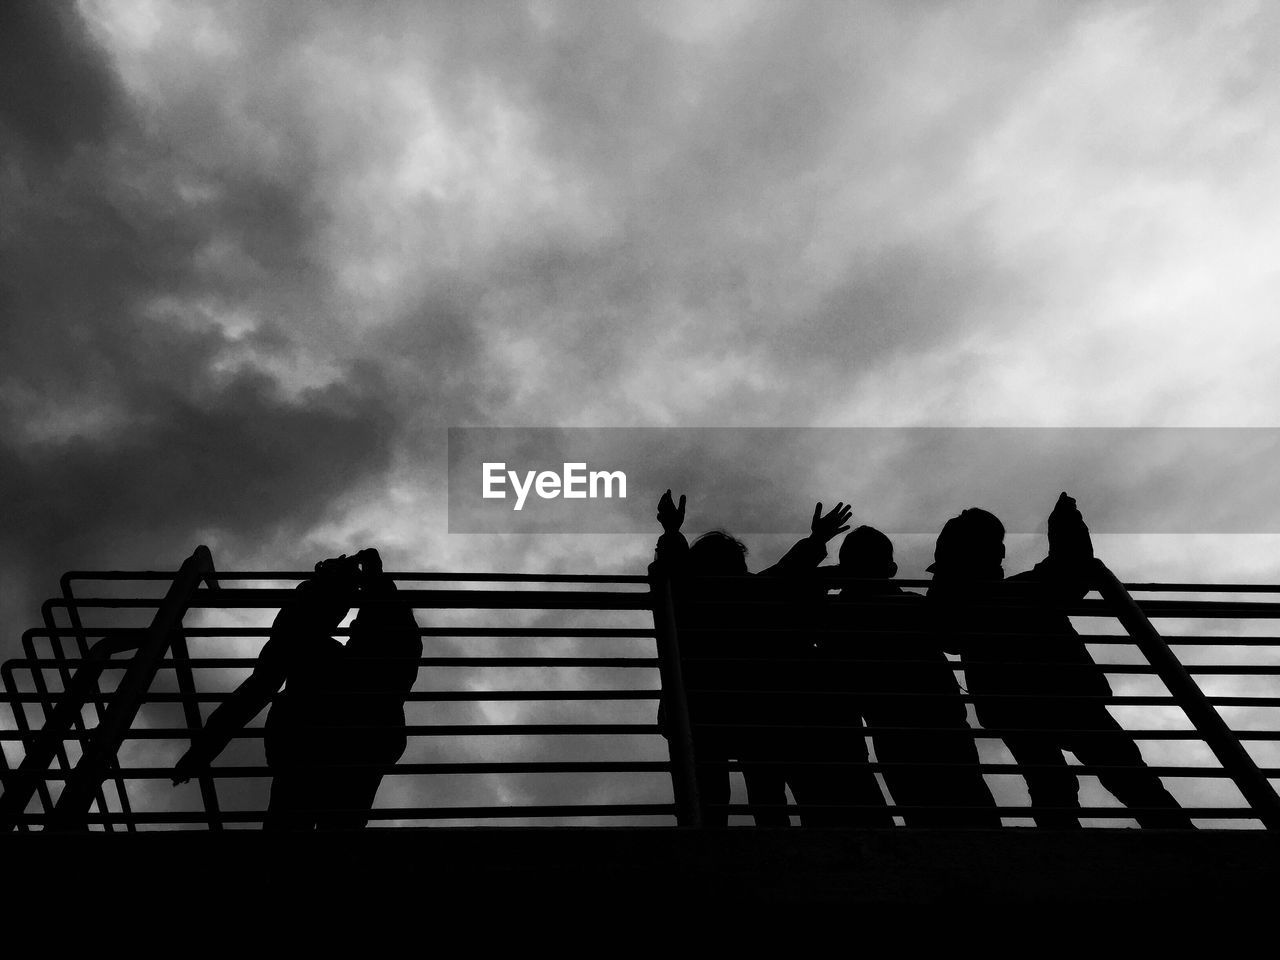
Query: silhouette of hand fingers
{"type": "Point", "coordinates": [826, 527]}
{"type": "Point", "coordinates": [1068, 533]}
{"type": "Point", "coordinates": [669, 515]}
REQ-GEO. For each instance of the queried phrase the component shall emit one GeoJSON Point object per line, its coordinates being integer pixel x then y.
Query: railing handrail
{"type": "Point", "coordinates": [1251, 782]}
{"type": "Point", "coordinates": [166, 634]}
{"type": "Point", "coordinates": [675, 706]}
{"type": "Point", "coordinates": [24, 782]}
{"type": "Point", "coordinates": [442, 576]}
{"type": "Point", "coordinates": [100, 752]}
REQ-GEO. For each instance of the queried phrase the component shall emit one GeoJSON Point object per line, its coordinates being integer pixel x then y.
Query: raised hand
{"type": "Point", "coordinates": [823, 528]}
{"type": "Point", "coordinates": [669, 515]}
{"type": "Point", "coordinates": [1068, 533]}
{"type": "Point", "coordinates": [370, 561]}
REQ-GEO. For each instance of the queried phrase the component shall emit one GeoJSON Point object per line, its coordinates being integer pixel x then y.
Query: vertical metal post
{"type": "Point", "coordinates": [191, 711]}
{"type": "Point", "coordinates": [1251, 782]}
{"type": "Point", "coordinates": [73, 806]}
{"type": "Point", "coordinates": [679, 732]}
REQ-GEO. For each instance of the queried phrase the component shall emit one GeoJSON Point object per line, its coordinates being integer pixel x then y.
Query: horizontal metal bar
{"type": "Point", "coordinates": [997, 769]}
{"type": "Point", "coordinates": [649, 809]}
{"type": "Point", "coordinates": [1202, 587]}
{"type": "Point", "coordinates": [412, 730]}
{"type": "Point", "coordinates": [245, 663]}
{"type": "Point", "coordinates": [405, 575]}
{"type": "Point", "coordinates": [1182, 609]}
{"type": "Point", "coordinates": [437, 696]}
{"type": "Point", "coordinates": [515, 812]}
{"type": "Point", "coordinates": [443, 696]}
{"type": "Point", "coordinates": [1010, 812]}
{"type": "Point", "coordinates": [202, 633]}
{"type": "Point", "coordinates": [272, 598]}
{"type": "Point", "coordinates": [998, 733]}
{"type": "Point", "coordinates": [992, 733]}
{"type": "Point", "coordinates": [1135, 701]}
{"type": "Point", "coordinates": [651, 729]}
{"type": "Point", "coordinates": [405, 769]}
{"type": "Point", "coordinates": [662, 766]}
{"type": "Point", "coordinates": [818, 663]}
{"type": "Point", "coordinates": [953, 636]}
{"type": "Point", "coordinates": [232, 598]}
{"type": "Point", "coordinates": [1209, 609]}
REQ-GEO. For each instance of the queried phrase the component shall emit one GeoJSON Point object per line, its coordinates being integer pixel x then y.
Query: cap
{"type": "Point", "coordinates": [975, 535]}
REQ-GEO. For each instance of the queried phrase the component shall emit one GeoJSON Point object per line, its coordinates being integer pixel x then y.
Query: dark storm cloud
{"type": "Point", "coordinates": [154, 390]}
{"type": "Point", "coordinates": [256, 257]}
{"type": "Point", "coordinates": [730, 168]}
{"type": "Point", "coordinates": [55, 90]}
{"type": "Point", "coordinates": [545, 213]}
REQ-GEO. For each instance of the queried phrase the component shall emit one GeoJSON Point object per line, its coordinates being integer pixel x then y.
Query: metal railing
{"type": "Point", "coordinates": [91, 734]}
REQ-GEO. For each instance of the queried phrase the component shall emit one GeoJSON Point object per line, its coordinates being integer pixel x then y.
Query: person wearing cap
{"type": "Point", "coordinates": [882, 647]}
{"type": "Point", "coordinates": [1030, 673]}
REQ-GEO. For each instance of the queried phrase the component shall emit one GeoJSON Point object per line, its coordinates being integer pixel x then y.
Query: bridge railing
{"type": "Point", "coordinates": [537, 696]}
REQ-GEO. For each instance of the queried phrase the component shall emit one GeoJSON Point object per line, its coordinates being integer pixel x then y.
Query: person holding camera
{"type": "Point", "coordinates": [338, 725]}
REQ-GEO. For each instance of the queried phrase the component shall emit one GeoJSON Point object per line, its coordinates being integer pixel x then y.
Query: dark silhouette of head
{"type": "Point", "coordinates": [327, 597]}
{"type": "Point", "coordinates": [867, 554]}
{"type": "Point", "coordinates": [717, 554]}
{"type": "Point", "coordinates": [970, 547]}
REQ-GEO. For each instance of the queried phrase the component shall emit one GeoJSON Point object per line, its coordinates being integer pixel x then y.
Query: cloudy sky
{"type": "Point", "coordinates": [255, 259]}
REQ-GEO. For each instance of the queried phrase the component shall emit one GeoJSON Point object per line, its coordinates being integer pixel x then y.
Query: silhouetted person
{"type": "Point", "coordinates": [380, 665]}
{"type": "Point", "coordinates": [909, 695]}
{"type": "Point", "coordinates": [1028, 669]}
{"type": "Point", "coordinates": [729, 641]}
{"type": "Point", "coordinates": [318, 745]}
{"type": "Point", "coordinates": [825, 743]}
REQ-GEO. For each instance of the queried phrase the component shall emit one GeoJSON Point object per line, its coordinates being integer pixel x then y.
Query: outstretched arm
{"type": "Point", "coordinates": [806, 554]}
{"type": "Point", "coordinates": [672, 551]}
{"type": "Point", "coordinates": [233, 713]}
{"type": "Point", "coordinates": [1067, 571]}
